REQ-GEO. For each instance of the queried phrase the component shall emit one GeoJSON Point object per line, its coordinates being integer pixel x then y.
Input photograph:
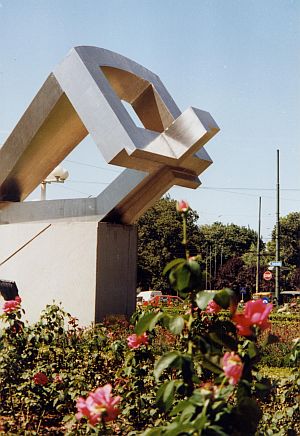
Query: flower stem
{"type": "Point", "coordinates": [184, 240]}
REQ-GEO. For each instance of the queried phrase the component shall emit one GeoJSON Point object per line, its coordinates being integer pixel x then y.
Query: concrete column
{"type": "Point", "coordinates": [116, 270]}
{"type": "Point", "coordinates": [89, 267]}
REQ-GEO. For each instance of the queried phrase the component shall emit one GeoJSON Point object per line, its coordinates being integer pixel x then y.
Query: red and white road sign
{"type": "Point", "coordinates": [267, 275]}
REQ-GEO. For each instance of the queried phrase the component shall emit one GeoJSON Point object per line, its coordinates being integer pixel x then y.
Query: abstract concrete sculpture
{"type": "Point", "coordinates": [82, 96]}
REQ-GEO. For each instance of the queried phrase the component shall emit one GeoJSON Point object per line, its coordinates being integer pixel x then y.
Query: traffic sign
{"type": "Point", "coordinates": [275, 263]}
{"type": "Point", "coordinates": [267, 275]}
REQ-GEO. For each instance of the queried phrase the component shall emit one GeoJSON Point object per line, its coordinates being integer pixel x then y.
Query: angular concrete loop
{"type": "Point", "coordinates": [84, 96]}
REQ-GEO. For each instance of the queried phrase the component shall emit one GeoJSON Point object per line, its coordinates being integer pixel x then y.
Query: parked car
{"type": "Point", "coordinates": [267, 297]}
{"type": "Point", "coordinates": [166, 300]}
{"type": "Point", "coordinates": [146, 296]}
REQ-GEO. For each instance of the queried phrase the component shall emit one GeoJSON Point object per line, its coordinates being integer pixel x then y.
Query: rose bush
{"type": "Point", "coordinates": [166, 372]}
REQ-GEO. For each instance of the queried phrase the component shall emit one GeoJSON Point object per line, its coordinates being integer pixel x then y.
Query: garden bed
{"type": "Point", "coordinates": [45, 368]}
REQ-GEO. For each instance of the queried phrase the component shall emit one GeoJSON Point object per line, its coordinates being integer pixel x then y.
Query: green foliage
{"type": "Point", "coordinates": [279, 351]}
{"type": "Point", "coordinates": [159, 234]}
{"type": "Point", "coordinates": [289, 240]}
{"type": "Point", "coordinates": [281, 406]}
{"type": "Point", "coordinates": [176, 391]}
{"type": "Point", "coordinates": [74, 361]}
{"type": "Point", "coordinates": [175, 381]}
{"type": "Point", "coordinates": [234, 240]}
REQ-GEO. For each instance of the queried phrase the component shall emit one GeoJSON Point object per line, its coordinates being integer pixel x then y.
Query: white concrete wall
{"type": "Point", "coordinates": [60, 265]}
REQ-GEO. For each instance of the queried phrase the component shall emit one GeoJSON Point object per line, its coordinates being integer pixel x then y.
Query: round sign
{"type": "Point", "coordinates": [267, 275]}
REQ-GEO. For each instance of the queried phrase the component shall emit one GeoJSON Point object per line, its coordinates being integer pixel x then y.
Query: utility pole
{"type": "Point", "coordinates": [221, 256]}
{"type": "Point", "coordinates": [215, 272]}
{"type": "Point", "coordinates": [258, 248]}
{"type": "Point", "coordinates": [277, 268]}
{"type": "Point", "coordinates": [210, 267]}
{"type": "Point", "coordinates": [206, 270]}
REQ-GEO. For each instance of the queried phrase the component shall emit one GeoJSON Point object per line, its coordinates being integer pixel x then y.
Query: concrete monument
{"type": "Point", "coordinates": [83, 251]}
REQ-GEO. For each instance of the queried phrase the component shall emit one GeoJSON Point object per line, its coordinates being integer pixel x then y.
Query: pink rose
{"type": "Point", "coordinates": [135, 341]}
{"type": "Point", "coordinates": [40, 378]}
{"type": "Point", "coordinates": [182, 206]}
{"type": "Point", "coordinates": [12, 305]}
{"type": "Point", "coordinates": [98, 403]}
{"type": "Point", "coordinates": [232, 367]}
{"type": "Point", "coordinates": [103, 399]}
{"type": "Point", "coordinates": [212, 307]}
{"type": "Point", "coordinates": [86, 408]}
{"type": "Point", "coordinates": [256, 313]}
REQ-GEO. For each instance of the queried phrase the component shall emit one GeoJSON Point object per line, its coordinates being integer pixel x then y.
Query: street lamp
{"type": "Point", "coordinates": [58, 175]}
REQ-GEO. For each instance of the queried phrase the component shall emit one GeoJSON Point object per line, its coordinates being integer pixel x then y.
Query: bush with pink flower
{"type": "Point", "coordinates": [162, 372]}
{"type": "Point", "coordinates": [135, 341]}
{"type": "Point", "coordinates": [232, 367]}
{"type": "Point", "coordinates": [11, 306]}
{"type": "Point", "coordinates": [100, 405]}
{"type": "Point", "coordinates": [256, 314]}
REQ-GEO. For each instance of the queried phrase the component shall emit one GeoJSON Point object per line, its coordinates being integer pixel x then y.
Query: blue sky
{"type": "Point", "coordinates": [239, 60]}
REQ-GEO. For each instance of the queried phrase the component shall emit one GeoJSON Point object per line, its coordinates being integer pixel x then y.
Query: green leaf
{"type": "Point", "coordinates": [187, 413]}
{"type": "Point", "coordinates": [208, 364]}
{"type": "Point", "coordinates": [147, 322]}
{"type": "Point", "coordinates": [183, 276]}
{"type": "Point", "coordinates": [262, 387]}
{"type": "Point", "coordinates": [222, 298]}
{"type": "Point", "coordinates": [218, 431]}
{"type": "Point", "coordinates": [201, 420]}
{"type": "Point", "coordinates": [173, 263]}
{"type": "Point", "coordinates": [279, 415]}
{"type": "Point", "coordinates": [177, 428]}
{"type": "Point", "coordinates": [252, 350]}
{"type": "Point", "coordinates": [194, 267]}
{"type": "Point", "coordinates": [165, 394]}
{"type": "Point", "coordinates": [203, 298]}
{"type": "Point", "coordinates": [165, 362]}
{"type": "Point", "coordinates": [168, 395]}
{"type": "Point", "coordinates": [153, 431]}
{"type": "Point", "coordinates": [223, 339]}
{"type": "Point", "coordinates": [176, 324]}
{"type": "Point", "coordinates": [179, 407]}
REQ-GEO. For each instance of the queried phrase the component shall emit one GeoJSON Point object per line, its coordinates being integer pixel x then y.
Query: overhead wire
{"type": "Point", "coordinates": [230, 190]}
{"type": "Point", "coordinates": [93, 166]}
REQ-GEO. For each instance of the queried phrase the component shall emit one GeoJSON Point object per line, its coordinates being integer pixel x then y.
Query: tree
{"type": "Point", "coordinates": [222, 242]}
{"type": "Point", "coordinates": [289, 240]}
{"type": "Point", "coordinates": [228, 275]}
{"type": "Point", "coordinates": [160, 236]}
{"type": "Point", "coordinates": [295, 279]}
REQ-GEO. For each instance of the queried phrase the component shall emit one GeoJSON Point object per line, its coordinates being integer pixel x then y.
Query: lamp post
{"type": "Point", "coordinates": [258, 249]}
{"type": "Point", "coordinates": [58, 175]}
{"type": "Point", "coordinates": [277, 239]}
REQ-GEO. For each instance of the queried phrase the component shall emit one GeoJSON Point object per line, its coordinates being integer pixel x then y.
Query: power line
{"type": "Point", "coordinates": [241, 193]}
{"type": "Point", "coordinates": [85, 182]}
{"type": "Point", "coordinates": [249, 189]}
{"type": "Point", "coordinates": [92, 166]}
{"type": "Point", "coordinates": [75, 190]}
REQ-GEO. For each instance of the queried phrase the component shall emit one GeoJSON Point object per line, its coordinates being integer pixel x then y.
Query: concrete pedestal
{"type": "Point", "coordinates": [89, 267]}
